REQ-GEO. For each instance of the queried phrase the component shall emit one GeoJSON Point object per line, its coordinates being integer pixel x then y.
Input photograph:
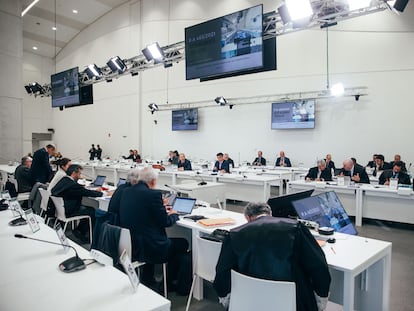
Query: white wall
{"type": "Point", "coordinates": [373, 51]}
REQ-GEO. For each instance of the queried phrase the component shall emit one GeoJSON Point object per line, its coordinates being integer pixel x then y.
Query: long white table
{"type": "Point", "coordinates": [360, 267]}
{"type": "Point", "coordinates": [30, 278]}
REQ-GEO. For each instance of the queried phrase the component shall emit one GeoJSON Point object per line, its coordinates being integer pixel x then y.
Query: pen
{"type": "Point", "coordinates": [333, 250]}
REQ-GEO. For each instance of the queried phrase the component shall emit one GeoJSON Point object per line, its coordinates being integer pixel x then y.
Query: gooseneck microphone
{"type": "Point", "coordinates": [19, 221]}
{"type": "Point", "coordinates": [202, 182]}
{"type": "Point", "coordinates": [69, 265]}
{"type": "Point", "coordinates": [174, 189]}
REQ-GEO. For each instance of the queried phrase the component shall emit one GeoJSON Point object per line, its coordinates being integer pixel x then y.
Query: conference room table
{"type": "Point", "coordinates": [360, 267]}
{"type": "Point", "coordinates": [9, 169]}
{"type": "Point", "coordinates": [31, 280]}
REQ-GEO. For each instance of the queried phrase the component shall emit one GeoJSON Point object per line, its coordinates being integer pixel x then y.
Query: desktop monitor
{"type": "Point", "coordinates": [282, 206]}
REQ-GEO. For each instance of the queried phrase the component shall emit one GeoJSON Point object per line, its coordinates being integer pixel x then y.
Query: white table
{"type": "Point", "coordinates": [9, 169]}
{"type": "Point", "coordinates": [30, 278]}
{"type": "Point", "coordinates": [360, 267]}
{"type": "Point", "coordinates": [209, 192]}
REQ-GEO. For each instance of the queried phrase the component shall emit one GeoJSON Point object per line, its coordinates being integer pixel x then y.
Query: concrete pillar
{"type": "Point", "coordinates": [11, 85]}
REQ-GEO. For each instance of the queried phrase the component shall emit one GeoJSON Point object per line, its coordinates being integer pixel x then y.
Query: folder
{"type": "Point", "coordinates": [213, 222]}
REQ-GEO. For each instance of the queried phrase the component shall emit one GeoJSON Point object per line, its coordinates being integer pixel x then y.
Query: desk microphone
{"type": "Point", "coordinates": [202, 182]}
{"type": "Point", "coordinates": [174, 189]}
{"type": "Point", "coordinates": [19, 221]}
{"type": "Point", "coordinates": [69, 265]}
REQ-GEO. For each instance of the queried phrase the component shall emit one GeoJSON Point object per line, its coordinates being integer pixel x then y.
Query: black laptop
{"type": "Point", "coordinates": [121, 181]}
{"type": "Point", "coordinates": [183, 206]}
{"type": "Point", "coordinates": [282, 206]}
{"type": "Point", "coordinates": [99, 181]}
{"type": "Point", "coordinates": [326, 209]}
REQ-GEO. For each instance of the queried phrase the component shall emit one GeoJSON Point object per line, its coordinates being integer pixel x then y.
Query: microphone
{"type": "Point", "coordinates": [69, 265]}
{"type": "Point", "coordinates": [202, 182]}
{"type": "Point", "coordinates": [174, 189]}
{"type": "Point", "coordinates": [19, 221]}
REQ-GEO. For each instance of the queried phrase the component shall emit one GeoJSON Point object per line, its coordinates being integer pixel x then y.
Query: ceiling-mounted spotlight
{"type": "Point", "coordinates": [133, 74]}
{"type": "Point", "coordinates": [220, 101]}
{"type": "Point", "coordinates": [153, 52]}
{"type": "Point", "coordinates": [397, 6]}
{"type": "Point", "coordinates": [337, 89]}
{"type": "Point", "coordinates": [117, 65]}
{"type": "Point", "coordinates": [299, 9]}
{"type": "Point", "coordinates": [357, 97]}
{"type": "Point", "coordinates": [231, 106]}
{"type": "Point", "coordinates": [153, 107]}
{"type": "Point", "coordinates": [28, 89]}
{"type": "Point", "coordinates": [93, 71]}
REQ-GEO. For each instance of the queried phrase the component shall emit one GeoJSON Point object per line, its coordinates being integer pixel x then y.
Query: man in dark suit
{"type": "Point", "coordinates": [142, 211]}
{"type": "Point", "coordinates": [288, 253]}
{"type": "Point", "coordinates": [221, 165]}
{"type": "Point", "coordinates": [329, 163]}
{"type": "Point", "coordinates": [356, 172]}
{"type": "Point", "coordinates": [40, 171]}
{"type": "Point", "coordinates": [380, 164]}
{"type": "Point", "coordinates": [259, 160]}
{"type": "Point", "coordinates": [22, 175]}
{"type": "Point", "coordinates": [395, 172]}
{"type": "Point", "coordinates": [319, 172]}
{"type": "Point", "coordinates": [371, 163]}
{"type": "Point", "coordinates": [397, 157]}
{"type": "Point", "coordinates": [72, 193]}
{"type": "Point", "coordinates": [282, 160]}
{"type": "Point", "coordinates": [183, 163]}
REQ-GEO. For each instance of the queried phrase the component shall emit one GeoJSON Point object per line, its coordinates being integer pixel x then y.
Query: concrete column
{"type": "Point", "coordinates": [11, 84]}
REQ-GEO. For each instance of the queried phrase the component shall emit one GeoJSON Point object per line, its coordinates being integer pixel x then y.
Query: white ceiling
{"type": "Point", "coordinates": [38, 22]}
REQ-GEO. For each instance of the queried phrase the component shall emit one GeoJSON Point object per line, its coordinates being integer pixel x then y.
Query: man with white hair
{"type": "Point", "coordinates": [142, 211]}
{"type": "Point", "coordinates": [319, 172]}
{"type": "Point", "coordinates": [356, 172]}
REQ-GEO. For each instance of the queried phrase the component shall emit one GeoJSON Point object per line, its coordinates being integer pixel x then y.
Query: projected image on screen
{"type": "Point", "coordinates": [293, 115]}
{"type": "Point", "coordinates": [65, 88]}
{"type": "Point", "coordinates": [230, 43]}
{"type": "Point", "coordinates": [185, 119]}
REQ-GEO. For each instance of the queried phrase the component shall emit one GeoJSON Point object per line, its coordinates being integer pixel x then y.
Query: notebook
{"type": "Point", "coordinates": [183, 206]}
{"type": "Point", "coordinates": [326, 209]}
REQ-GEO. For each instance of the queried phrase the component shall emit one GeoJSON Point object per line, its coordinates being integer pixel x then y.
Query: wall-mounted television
{"type": "Point", "coordinates": [298, 114]}
{"type": "Point", "coordinates": [226, 44]}
{"type": "Point", "coordinates": [185, 119]}
{"type": "Point", "coordinates": [65, 88]}
{"type": "Point", "coordinates": [85, 96]}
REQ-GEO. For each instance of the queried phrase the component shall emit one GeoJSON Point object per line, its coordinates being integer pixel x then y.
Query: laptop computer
{"type": "Point", "coordinates": [282, 206]}
{"type": "Point", "coordinates": [326, 209]}
{"type": "Point", "coordinates": [183, 206]}
{"type": "Point", "coordinates": [99, 181]}
{"type": "Point", "coordinates": [121, 181]}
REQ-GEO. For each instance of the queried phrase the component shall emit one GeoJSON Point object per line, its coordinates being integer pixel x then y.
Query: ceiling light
{"type": "Point", "coordinates": [153, 107]}
{"type": "Point", "coordinates": [299, 9]}
{"type": "Point", "coordinates": [29, 7]}
{"type": "Point", "coordinates": [75, 11]}
{"type": "Point", "coordinates": [54, 28]}
{"type": "Point", "coordinates": [93, 71]}
{"type": "Point", "coordinates": [358, 4]}
{"type": "Point", "coordinates": [34, 48]}
{"type": "Point", "coordinates": [337, 89]}
{"type": "Point", "coordinates": [220, 100]}
{"type": "Point", "coordinates": [116, 64]}
{"type": "Point", "coordinates": [153, 52]}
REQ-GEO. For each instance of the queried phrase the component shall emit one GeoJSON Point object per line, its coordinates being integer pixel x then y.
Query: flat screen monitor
{"type": "Point", "coordinates": [226, 44]}
{"type": "Point", "coordinates": [65, 88]}
{"type": "Point", "coordinates": [282, 206]}
{"type": "Point", "coordinates": [185, 119]}
{"type": "Point", "coordinates": [85, 96]}
{"type": "Point", "coordinates": [298, 114]}
{"type": "Point", "coordinates": [326, 209]}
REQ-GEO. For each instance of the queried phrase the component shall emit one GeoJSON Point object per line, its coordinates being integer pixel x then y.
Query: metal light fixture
{"type": "Point", "coordinates": [397, 6]}
{"type": "Point", "coordinates": [117, 65]}
{"type": "Point", "coordinates": [154, 52]}
{"type": "Point", "coordinates": [220, 101]}
{"type": "Point", "coordinates": [153, 107]}
{"type": "Point", "coordinates": [93, 71]}
{"type": "Point", "coordinates": [299, 9]}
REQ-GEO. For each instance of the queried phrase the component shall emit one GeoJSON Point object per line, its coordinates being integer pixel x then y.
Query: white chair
{"type": "Point", "coordinates": [45, 194]}
{"type": "Point", "coordinates": [60, 215]}
{"type": "Point", "coordinates": [126, 244]}
{"type": "Point", "coordinates": [4, 178]}
{"type": "Point", "coordinates": [268, 294]}
{"type": "Point", "coordinates": [24, 196]}
{"type": "Point", "coordinates": [205, 262]}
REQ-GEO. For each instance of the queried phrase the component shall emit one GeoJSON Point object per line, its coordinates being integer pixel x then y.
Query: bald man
{"type": "Point", "coordinates": [356, 172]}
{"type": "Point", "coordinates": [282, 160]}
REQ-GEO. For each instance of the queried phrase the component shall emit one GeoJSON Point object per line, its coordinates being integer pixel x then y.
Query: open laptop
{"type": "Point", "coordinates": [121, 181]}
{"type": "Point", "coordinates": [326, 209]}
{"type": "Point", "coordinates": [183, 206]}
{"type": "Point", "coordinates": [282, 206]}
{"type": "Point", "coordinates": [98, 182]}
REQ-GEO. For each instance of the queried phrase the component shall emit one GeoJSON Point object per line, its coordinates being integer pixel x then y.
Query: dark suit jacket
{"type": "Point", "coordinates": [224, 166]}
{"type": "Point", "coordinates": [403, 178]}
{"type": "Point", "coordinates": [261, 161]}
{"type": "Point", "coordinates": [287, 162]}
{"type": "Point", "coordinates": [403, 167]}
{"type": "Point", "coordinates": [115, 202]}
{"type": "Point", "coordinates": [40, 171]}
{"type": "Point", "coordinates": [330, 164]}
{"type": "Point", "coordinates": [325, 174]}
{"type": "Point", "coordinates": [72, 194]}
{"type": "Point", "coordinates": [364, 179]}
{"type": "Point", "coordinates": [143, 213]}
{"type": "Point", "coordinates": [288, 253]}
{"type": "Point", "coordinates": [371, 164]}
{"type": "Point", "coordinates": [186, 165]}
{"type": "Point", "coordinates": [22, 175]}
{"type": "Point", "coordinates": [385, 166]}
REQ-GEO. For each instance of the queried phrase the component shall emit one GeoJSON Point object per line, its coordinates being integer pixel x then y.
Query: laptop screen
{"type": "Point", "coordinates": [99, 181]}
{"type": "Point", "coordinates": [121, 181]}
{"type": "Point", "coordinates": [325, 209]}
{"type": "Point", "coordinates": [184, 205]}
{"type": "Point", "coordinates": [282, 206]}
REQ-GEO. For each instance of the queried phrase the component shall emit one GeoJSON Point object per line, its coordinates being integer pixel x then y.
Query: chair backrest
{"type": "Point", "coordinates": [45, 194]}
{"type": "Point", "coordinates": [60, 207]}
{"type": "Point", "coordinates": [125, 242]}
{"type": "Point", "coordinates": [207, 256]}
{"type": "Point", "coordinates": [249, 293]}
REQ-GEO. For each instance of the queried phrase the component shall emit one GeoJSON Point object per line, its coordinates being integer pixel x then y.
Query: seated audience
{"type": "Point", "coordinates": [183, 163]}
{"type": "Point", "coordinates": [397, 158]}
{"type": "Point", "coordinates": [371, 163]}
{"type": "Point", "coordinates": [329, 163]}
{"type": "Point", "coordinates": [282, 160]}
{"type": "Point", "coordinates": [355, 171]}
{"type": "Point", "coordinates": [259, 160]}
{"type": "Point", "coordinates": [288, 253]}
{"type": "Point", "coordinates": [380, 164]}
{"type": "Point", "coordinates": [130, 156]}
{"type": "Point", "coordinates": [395, 172]}
{"type": "Point", "coordinates": [320, 172]}
{"type": "Point", "coordinates": [227, 158]}
{"type": "Point", "coordinates": [221, 165]}
{"type": "Point", "coordinates": [72, 194]}
{"type": "Point", "coordinates": [173, 157]}
{"type": "Point", "coordinates": [22, 175]}
{"type": "Point", "coordinates": [142, 211]}
{"type": "Point", "coordinates": [63, 165]}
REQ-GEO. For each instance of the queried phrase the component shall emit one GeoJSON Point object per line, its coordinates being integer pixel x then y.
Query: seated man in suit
{"type": "Point", "coordinates": [319, 173]}
{"type": "Point", "coordinates": [329, 163]}
{"type": "Point", "coordinates": [380, 164]}
{"type": "Point", "coordinates": [227, 158]}
{"type": "Point", "coordinates": [397, 157]}
{"type": "Point", "coordinates": [142, 211]}
{"type": "Point", "coordinates": [22, 175]}
{"type": "Point", "coordinates": [221, 164]}
{"type": "Point", "coordinates": [72, 194]}
{"type": "Point", "coordinates": [356, 172]}
{"type": "Point", "coordinates": [395, 172]}
{"type": "Point", "coordinates": [282, 160]}
{"type": "Point", "coordinates": [173, 157]}
{"type": "Point", "coordinates": [183, 163]}
{"type": "Point", "coordinates": [259, 160]}
{"type": "Point", "coordinates": [371, 163]}
{"type": "Point", "coordinates": [288, 253]}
